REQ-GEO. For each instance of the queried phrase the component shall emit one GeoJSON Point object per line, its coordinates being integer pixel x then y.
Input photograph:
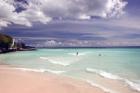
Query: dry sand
{"type": "Point", "coordinates": [16, 81]}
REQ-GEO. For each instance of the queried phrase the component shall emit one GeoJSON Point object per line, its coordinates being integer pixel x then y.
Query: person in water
{"type": "Point", "coordinates": [77, 53]}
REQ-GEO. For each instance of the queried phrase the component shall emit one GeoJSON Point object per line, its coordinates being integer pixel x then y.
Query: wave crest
{"type": "Point", "coordinates": [106, 90]}
{"type": "Point", "coordinates": [60, 60]}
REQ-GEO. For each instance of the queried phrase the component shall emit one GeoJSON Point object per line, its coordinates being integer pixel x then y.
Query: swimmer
{"type": "Point", "coordinates": [77, 53]}
{"type": "Point", "coordinates": [100, 55]}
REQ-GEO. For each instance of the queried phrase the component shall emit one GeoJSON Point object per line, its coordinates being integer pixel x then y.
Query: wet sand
{"type": "Point", "coordinates": [17, 81]}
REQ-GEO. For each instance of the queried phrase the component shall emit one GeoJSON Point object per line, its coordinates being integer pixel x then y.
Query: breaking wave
{"type": "Point", "coordinates": [60, 60]}
{"type": "Point", "coordinates": [40, 70]}
{"type": "Point", "coordinates": [106, 90]}
{"type": "Point", "coordinates": [133, 85]}
{"type": "Point", "coordinates": [103, 73]}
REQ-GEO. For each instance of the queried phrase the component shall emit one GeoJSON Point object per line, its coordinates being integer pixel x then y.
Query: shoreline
{"type": "Point", "coordinates": [17, 81]}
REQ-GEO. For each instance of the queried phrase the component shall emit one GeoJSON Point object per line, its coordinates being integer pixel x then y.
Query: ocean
{"type": "Point", "coordinates": [115, 70]}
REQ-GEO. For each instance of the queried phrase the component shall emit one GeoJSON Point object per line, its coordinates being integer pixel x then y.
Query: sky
{"type": "Point", "coordinates": [81, 23]}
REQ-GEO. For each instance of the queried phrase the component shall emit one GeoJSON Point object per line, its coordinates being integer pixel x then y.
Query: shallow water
{"type": "Point", "coordinates": [110, 69]}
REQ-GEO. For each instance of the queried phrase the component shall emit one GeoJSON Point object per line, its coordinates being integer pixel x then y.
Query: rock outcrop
{"type": "Point", "coordinates": [8, 44]}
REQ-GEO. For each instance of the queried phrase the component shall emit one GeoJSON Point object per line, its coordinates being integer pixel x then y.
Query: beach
{"type": "Point", "coordinates": [17, 81]}
{"type": "Point", "coordinates": [62, 71]}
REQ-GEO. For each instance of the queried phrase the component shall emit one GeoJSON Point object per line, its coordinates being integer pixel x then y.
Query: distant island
{"type": "Point", "coordinates": [9, 44]}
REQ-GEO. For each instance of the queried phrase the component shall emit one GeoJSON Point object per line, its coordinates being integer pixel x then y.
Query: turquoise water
{"type": "Point", "coordinates": [111, 63]}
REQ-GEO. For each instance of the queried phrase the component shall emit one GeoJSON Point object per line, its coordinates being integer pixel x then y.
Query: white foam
{"type": "Point", "coordinates": [55, 61]}
{"type": "Point", "coordinates": [64, 61]}
{"type": "Point", "coordinates": [44, 58]}
{"type": "Point", "coordinates": [41, 70]}
{"type": "Point", "coordinates": [74, 54]}
{"type": "Point", "coordinates": [134, 86]}
{"type": "Point", "coordinates": [55, 72]}
{"type": "Point", "coordinates": [103, 73]}
{"type": "Point", "coordinates": [32, 70]}
{"type": "Point", "coordinates": [59, 62]}
{"type": "Point", "coordinates": [101, 87]}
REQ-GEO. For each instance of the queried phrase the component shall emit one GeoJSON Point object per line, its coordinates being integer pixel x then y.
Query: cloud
{"type": "Point", "coordinates": [26, 12]}
{"type": "Point", "coordinates": [52, 43]}
{"type": "Point", "coordinates": [8, 16]}
{"type": "Point", "coordinates": [81, 9]}
{"type": "Point", "coordinates": [85, 43]}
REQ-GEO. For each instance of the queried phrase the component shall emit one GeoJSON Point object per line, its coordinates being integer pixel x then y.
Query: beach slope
{"type": "Point", "coordinates": [17, 81]}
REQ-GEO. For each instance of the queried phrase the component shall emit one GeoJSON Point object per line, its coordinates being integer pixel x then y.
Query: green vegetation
{"type": "Point", "coordinates": [8, 44]}
{"type": "Point", "coordinates": [5, 42]}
